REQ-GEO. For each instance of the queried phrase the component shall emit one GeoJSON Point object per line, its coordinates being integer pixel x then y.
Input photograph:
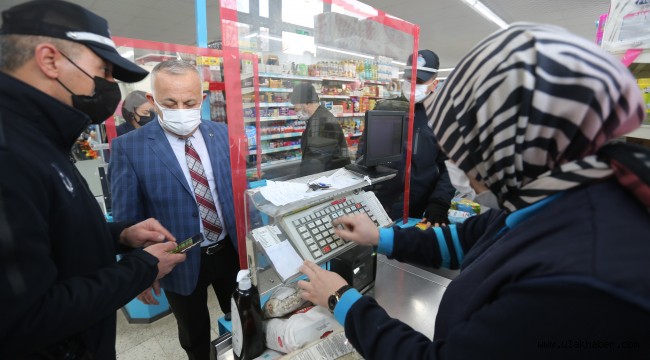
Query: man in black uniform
{"type": "Point", "coordinates": [59, 279]}
{"type": "Point", "coordinates": [322, 143]}
{"type": "Point", "coordinates": [431, 190]}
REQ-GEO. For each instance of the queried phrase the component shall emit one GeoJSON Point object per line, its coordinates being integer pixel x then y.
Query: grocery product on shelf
{"type": "Point", "coordinates": [347, 88]}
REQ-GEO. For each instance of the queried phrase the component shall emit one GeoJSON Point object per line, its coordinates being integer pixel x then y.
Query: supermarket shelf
{"type": "Point", "coordinates": [350, 114]}
{"type": "Point", "coordinates": [376, 82]}
{"type": "Point", "coordinates": [252, 105]}
{"type": "Point", "coordinates": [268, 151]}
{"type": "Point", "coordinates": [642, 133]}
{"type": "Point", "coordinates": [280, 136]}
{"type": "Point", "coordinates": [270, 118]}
{"type": "Point", "coordinates": [338, 78]}
{"type": "Point", "coordinates": [268, 89]}
{"type": "Point", "coordinates": [288, 76]}
{"type": "Point", "coordinates": [245, 76]}
{"type": "Point", "coordinates": [334, 96]}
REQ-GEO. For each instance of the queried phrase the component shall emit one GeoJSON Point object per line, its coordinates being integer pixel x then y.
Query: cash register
{"type": "Point", "coordinates": [304, 227]}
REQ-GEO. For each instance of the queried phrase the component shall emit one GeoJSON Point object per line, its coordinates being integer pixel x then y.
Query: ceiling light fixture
{"type": "Point", "coordinates": [344, 52]}
{"type": "Point", "coordinates": [398, 63]}
{"type": "Point", "coordinates": [486, 12]}
{"type": "Point", "coordinates": [445, 69]}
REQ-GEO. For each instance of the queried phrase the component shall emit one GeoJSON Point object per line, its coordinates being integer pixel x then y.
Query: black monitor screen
{"type": "Point", "coordinates": [385, 134]}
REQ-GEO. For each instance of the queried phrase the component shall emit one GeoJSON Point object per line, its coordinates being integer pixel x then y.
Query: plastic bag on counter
{"type": "Point", "coordinates": [284, 300]}
{"type": "Point", "coordinates": [304, 326]}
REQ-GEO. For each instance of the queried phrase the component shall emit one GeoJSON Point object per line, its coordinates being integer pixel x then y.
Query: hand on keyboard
{"type": "Point", "coordinates": [358, 228]}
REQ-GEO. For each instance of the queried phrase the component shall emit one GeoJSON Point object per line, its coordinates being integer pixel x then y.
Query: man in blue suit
{"type": "Point", "coordinates": [177, 169]}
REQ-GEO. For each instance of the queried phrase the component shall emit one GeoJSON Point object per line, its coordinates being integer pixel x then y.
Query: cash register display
{"type": "Point", "coordinates": [311, 230]}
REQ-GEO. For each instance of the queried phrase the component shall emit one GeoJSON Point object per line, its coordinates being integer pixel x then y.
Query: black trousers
{"type": "Point", "coordinates": [191, 311]}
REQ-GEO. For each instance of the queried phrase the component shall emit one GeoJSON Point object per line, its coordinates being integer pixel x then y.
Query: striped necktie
{"type": "Point", "coordinates": [209, 216]}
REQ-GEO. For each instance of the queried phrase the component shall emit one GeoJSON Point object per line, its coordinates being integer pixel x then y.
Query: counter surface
{"type": "Point", "coordinates": [409, 293]}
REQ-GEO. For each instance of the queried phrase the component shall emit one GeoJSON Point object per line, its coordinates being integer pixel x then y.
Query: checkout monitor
{"type": "Point", "coordinates": [385, 133]}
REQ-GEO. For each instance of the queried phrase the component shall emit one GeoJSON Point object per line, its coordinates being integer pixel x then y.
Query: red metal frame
{"type": "Point", "coordinates": [234, 109]}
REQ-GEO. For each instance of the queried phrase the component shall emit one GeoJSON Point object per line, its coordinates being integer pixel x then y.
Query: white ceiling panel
{"type": "Point", "coordinates": [448, 27]}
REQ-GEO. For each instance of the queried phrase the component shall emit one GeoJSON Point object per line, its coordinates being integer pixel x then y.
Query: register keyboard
{"type": "Point", "coordinates": [311, 230]}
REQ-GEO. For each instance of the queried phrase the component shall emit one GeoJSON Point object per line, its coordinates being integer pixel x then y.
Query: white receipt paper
{"type": "Point", "coordinates": [284, 257]}
{"type": "Point", "coordinates": [280, 193]}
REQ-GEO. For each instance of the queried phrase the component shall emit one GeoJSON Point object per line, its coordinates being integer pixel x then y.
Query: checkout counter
{"type": "Point", "coordinates": [406, 292]}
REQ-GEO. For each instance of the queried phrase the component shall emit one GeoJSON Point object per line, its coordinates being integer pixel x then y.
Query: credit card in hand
{"type": "Point", "coordinates": [187, 244]}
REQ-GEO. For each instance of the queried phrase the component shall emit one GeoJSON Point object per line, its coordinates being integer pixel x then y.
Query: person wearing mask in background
{"type": "Point", "coordinates": [560, 271]}
{"type": "Point", "coordinates": [61, 284]}
{"type": "Point", "coordinates": [136, 111]}
{"type": "Point", "coordinates": [431, 192]}
{"type": "Point", "coordinates": [177, 169]}
{"type": "Point", "coordinates": [322, 143]}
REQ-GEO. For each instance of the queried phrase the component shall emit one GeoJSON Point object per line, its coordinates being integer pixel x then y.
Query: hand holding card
{"type": "Point", "coordinates": [186, 245]}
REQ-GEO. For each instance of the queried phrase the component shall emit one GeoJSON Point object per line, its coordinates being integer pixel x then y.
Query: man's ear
{"type": "Point", "coordinates": [152, 102]}
{"type": "Point", "coordinates": [434, 84]}
{"type": "Point", "coordinates": [149, 97]}
{"type": "Point", "coordinates": [48, 60]}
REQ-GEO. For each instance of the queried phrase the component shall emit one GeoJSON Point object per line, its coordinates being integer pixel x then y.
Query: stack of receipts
{"type": "Point", "coordinates": [281, 193]}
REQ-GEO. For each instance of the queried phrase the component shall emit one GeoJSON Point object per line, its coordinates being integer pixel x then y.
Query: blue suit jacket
{"type": "Point", "coordinates": [147, 181]}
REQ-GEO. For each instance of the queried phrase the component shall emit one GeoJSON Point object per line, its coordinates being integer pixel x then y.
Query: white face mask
{"type": "Point", "coordinates": [179, 121]}
{"type": "Point", "coordinates": [459, 180]}
{"type": "Point", "coordinates": [303, 115]}
{"type": "Point", "coordinates": [421, 91]}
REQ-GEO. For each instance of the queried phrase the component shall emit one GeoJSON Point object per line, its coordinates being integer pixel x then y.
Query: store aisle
{"type": "Point", "coordinates": [158, 340]}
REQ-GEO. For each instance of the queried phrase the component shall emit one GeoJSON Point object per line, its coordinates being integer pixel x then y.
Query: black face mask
{"type": "Point", "coordinates": [146, 118]}
{"type": "Point", "coordinates": [102, 103]}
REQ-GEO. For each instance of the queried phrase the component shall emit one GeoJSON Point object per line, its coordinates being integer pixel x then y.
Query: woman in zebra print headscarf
{"type": "Point", "coordinates": [528, 109]}
{"type": "Point", "coordinates": [562, 271]}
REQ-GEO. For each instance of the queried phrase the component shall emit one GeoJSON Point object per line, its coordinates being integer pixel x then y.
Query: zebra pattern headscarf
{"type": "Point", "coordinates": [527, 109]}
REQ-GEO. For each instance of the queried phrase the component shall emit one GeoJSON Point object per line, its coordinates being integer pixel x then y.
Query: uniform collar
{"type": "Point", "coordinates": [520, 215]}
{"type": "Point", "coordinates": [57, 121]}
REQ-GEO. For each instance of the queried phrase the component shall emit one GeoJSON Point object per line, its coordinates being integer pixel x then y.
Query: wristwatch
{"type": "Point", "coordinates": [334, 298]}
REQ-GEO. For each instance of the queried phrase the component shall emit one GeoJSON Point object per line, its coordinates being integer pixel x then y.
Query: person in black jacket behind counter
{"type": "Point", "coordinates": [322, 143]}
{"type": "Point", "coordinates": [561, 271]}
{"type": "Point", "coordinates": [60, 283]}
{"type": "Point", "coordinates": [430, 192]}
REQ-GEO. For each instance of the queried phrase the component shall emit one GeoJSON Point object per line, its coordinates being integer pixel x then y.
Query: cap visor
{"type": "Point", "coordinates": [421, 75]}
{"type": "Point", "coordinates": [123, 69]}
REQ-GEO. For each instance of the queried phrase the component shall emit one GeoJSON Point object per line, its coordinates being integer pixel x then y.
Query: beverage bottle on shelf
{"type": "Point", "coordinates": [373, 69]}
{"type": "Point", "coordinates": [359, 69]}
{"type": "Point", "coordinates": [368, 70]}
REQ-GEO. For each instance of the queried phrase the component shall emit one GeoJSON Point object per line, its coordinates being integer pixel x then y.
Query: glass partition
{"type": "Point", "coordinates": [299, 77]}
